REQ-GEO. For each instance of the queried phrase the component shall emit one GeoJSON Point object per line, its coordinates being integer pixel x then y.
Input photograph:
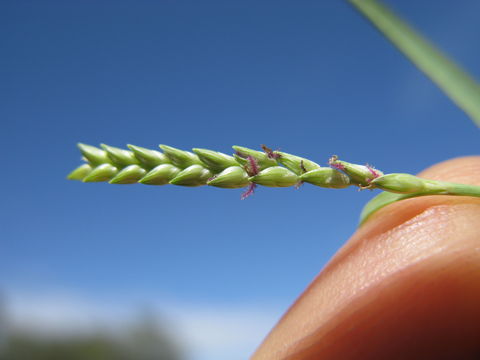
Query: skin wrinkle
{"type": "Point", "coordinates": [424, 220]}
{"type": "Point", "coordinates": [371, 255]}
{"type": "Point", "coordinates": [337, 336]}
{"type": "Point", "coordinates": [411, 236]}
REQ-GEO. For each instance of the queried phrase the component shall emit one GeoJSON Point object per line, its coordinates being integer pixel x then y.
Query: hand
{"type": "Point", "coordinates": [405, 286]}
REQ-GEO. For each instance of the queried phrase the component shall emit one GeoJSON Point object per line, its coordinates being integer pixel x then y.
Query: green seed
{"type": "Point", "coordinates": [275, 176]}
{"type": "Point", "coordinates": [120, 157]}
{"type": "Point", "coordinates": [263, 161]}
{"type": "Point", "coordinates": [180, 158]}
{"type": "Point", "coordinates": [102, 172]}
{"type": "Point", "coordinates": [326, 177]}
{"type": "Point", "coordinates": [297, 164]}
{"type": "Point", "coordinates": [93, 155]}
{"type": "Point", "coordinates": [359, 174]}
{"type": "Point", "coordinates": [215, 161]}
{"type": "Point", "coordinates": [232, 177]}
{"type": "Point", "coordinates": [195, 175]}
{"type": "Point", "coordinates": [129, 175]}
{"type": "Point", "coordinates": [160, 175]}
{"type": "Point", "coordinates": [149, 158]}
{"type": "Point", "coordinates": [80, 172]}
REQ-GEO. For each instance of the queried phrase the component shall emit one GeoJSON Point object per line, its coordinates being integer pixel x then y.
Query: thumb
{"type": "Point", "coordinates": [405, 286]}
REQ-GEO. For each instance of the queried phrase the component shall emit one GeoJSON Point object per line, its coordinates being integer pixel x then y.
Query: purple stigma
{"type": "Point", "coordinates": [374, 172]}
{"type": "Point", "coordinates": [337, 166]}
{"type": "Point", "coordinates": [333, 162]}
{"type": "Point", "coordinates": [249, 191]}
{"type": "Point", "coordinates": [270, 153]}
{"type": "Point", "coordinates": [252, 166]}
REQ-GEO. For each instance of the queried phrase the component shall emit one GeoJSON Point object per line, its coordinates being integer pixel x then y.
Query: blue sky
{"type": "Point", "coordinates": [311, 78]}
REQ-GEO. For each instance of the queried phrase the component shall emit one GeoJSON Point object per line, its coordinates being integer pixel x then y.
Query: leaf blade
{"type": "Point", "coordinates": [456, 83]}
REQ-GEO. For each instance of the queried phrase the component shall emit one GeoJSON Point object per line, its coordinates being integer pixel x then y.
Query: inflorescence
{"type": "Point", "coordinates": [247, 168]}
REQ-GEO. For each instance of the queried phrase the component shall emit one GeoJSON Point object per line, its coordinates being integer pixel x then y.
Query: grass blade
{"type": "Point", "coordinates": [455, 82]}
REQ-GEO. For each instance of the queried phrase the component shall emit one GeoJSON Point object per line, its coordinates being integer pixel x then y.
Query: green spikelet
{"type": "Point", "coordinates": [120, 157]}
{"type": "Point", "coordinates": [214, 160]}
{"type": "Point", "coordinates": [194, 175]}
{"type": "Point", "coordinates": [80, 172]}
{"type": "Point", "coordinates": [326, 177]}
{"type": "Point", "coordinates": [233, 177]}
{"type": "Point", "coordinates": [149, 158]}
{"type": "Point", "coordinates": [103, 172]}
{"type": "Point", "coordinates": [296, 164]}
{"type": "Point", "coordinates": [129, 175]}
{"type": "Point", "coordinates": [263, 161]}
{"type": "Point", "coordinates": [160, 175]}
{"type": "Point", "coordinates": [93, 155]}
{"type": "Point", "coordinates": [361, 175]}
{"type": "Point", "coordinates": [180, 158]}
{"type": "Point", "coordinates": [275, 176]}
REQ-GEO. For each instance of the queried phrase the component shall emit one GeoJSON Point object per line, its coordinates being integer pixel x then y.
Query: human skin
{"type": "Point", "coordinates": [406, 285]}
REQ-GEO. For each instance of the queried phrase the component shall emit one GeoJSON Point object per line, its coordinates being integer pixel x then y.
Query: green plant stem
{"type": "Point", "coordinates": [462, 190]}
{"type": "Point", "coordinates": [386, 198]}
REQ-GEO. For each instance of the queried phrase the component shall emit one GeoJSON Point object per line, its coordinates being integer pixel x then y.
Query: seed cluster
{"type": "Point", "coordinates": [246, 168]}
